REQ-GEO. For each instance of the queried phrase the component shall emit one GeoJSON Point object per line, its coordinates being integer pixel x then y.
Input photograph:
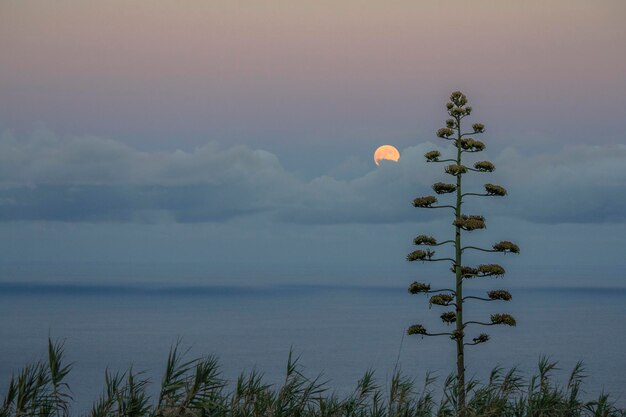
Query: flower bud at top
{"type": "Point", "coordinates": [458, 98]}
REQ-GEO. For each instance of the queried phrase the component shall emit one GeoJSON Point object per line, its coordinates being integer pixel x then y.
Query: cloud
{"type": "Point", "coordinates": [578, 184]}
{"type": "Point", "coordinates": [94, 179]}
{"type": "Point", "coordinates": [45, 177]}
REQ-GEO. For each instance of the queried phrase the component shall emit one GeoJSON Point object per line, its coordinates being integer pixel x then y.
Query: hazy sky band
{"type": "Point", "coordinates": [241, 133]}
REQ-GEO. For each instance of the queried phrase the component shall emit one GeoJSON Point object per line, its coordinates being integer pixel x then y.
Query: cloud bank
{"type": "Point", "coordinates": [78, 179]}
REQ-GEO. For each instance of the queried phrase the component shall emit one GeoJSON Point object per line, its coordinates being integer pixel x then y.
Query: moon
{"type": "Point", "coordinates": [387, 152]}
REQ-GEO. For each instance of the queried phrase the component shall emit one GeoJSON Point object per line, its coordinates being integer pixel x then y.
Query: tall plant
{"type": "Point", "coordinates": [464, 142]}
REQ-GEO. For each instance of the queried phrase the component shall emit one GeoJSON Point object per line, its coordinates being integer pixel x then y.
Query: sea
{"type": "Point", "coordinates": [337, 332]}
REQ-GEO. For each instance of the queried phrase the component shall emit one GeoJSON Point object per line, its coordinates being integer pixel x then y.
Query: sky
{"type": "Point", "coordinates": [238, 136]}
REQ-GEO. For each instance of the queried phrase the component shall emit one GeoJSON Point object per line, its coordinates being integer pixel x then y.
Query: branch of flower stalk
{"type": "Point", "coordinates": [473, 343]}
{"type": "Point", "coordinates": [444, 160]}
{"type": "Point", "coordinates": [480, 298]}
{"type": "Point", "coordinates": [471, 134]}
{"type": "Point", "coordinates": [443, 305]}
{"type": "Point", "coordinates": [442, 290]}
{"type": "Point", "coordinates": [477, 248]}
{"type": "Point", "coordinates": [435, 207]}
{"type": "Point", "coordinates": [437, 334]}
{"type": "Point", "coordinates": [421, 288]}
{"type": "Point", "coordinates": [439, 259]}
{"type": "Point", "coordinates": [496, 319]}
{"type": "Point", "coordinates": [480, 195]}
{"type": "Point", "coordinates": [442, 243]}
{"type": "Point", "coordinates": [420, 330]}
{"type": "Point", "coordinates": [478, 322]}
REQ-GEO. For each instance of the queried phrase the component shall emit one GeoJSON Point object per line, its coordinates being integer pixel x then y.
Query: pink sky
{"type": "Point", "coordinates": [178, 73]}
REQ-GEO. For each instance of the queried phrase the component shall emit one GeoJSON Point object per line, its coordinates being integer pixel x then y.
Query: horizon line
{"type": "Point", "coordinates": [11, 287]}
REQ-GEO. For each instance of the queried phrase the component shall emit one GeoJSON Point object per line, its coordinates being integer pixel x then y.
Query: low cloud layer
{"type": "Point", "coordinates": [45, 177]}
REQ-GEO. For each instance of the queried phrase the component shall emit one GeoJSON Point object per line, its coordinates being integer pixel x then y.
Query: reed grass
{"type": "Point", "coordinates": [194, 387]}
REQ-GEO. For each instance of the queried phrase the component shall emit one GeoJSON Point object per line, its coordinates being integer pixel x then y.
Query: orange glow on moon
{"type": "Point", "coordinates": [387, 152]}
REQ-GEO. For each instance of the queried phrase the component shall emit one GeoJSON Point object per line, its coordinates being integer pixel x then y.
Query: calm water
{"type": "Point", "coordinates": [338, 331]}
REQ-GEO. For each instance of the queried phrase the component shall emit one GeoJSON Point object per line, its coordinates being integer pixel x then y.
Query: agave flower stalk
{"type": "Point", "coordinates": [464, 142]}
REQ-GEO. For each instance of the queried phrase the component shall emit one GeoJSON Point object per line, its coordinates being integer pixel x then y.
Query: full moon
{"type": "Point", "coordinates": [387, 152]}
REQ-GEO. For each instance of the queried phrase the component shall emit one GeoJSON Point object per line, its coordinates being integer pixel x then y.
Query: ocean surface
{"type": "Point", "coordinates": [338, 331]}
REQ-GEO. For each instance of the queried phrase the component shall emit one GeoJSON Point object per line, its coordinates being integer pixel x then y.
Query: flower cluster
{"type": "Point", "coordinates": [420, 255]}
{"type": "Point", "coordinates": [506, 246]}
{"type": "Point", "coordinates": [460, 112]}
{"type": "Point", "coordinates": [427, 201]}
{"type": "Point", "coordinates": [444, 132]}
{"type": "Point", "coordinates": [478, 128]}
{"type": "Point", "coordinates": [416, 329]}
{"type": "Point", "coordinates": [482, 338]}
{"type": "Point", "coordinates": [482, 271]}
{"type": "Point", "coordinates": [451, 123]}
{"type": "Point", "coordinates": [458, 98]}
{"type": "Point", "coordinates": [425, 240]}
{"type": "Point", "coordinates": [455, 169]}
{"type": "Point", "coordinates": [472, 145]}
{"type": "Point", "coordinates": [432, 156]}
{"type": "Point", "coordinates": [489, 270]}
{"type": "Point", "coordinates": [493, 189]}
{"type": "Point", "coordinates": [484, 166]}
{"type": "Point", "coordinates": [500, 295]}
{"type": "Point", "coordinates": [441, 188]}
{"type": "Point", "coordinates": [467, 271]}
{"type": "Point", "coordinates": [418, 287]}
{"type": "Point", "coordinates": [470, 222]}
{"type": "Point", "coordinates": [503, 319]}
{"type": "Point", "coordinates": [441, 299]}
{"type": "Point", "coordinates": [448, 317]}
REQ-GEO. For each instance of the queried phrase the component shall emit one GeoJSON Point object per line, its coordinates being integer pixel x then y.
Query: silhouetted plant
{"type": "Point", "coordinates": [464, 142]}
{"type": "Point", "coordinates": [195, 388]}
{"type": "Point", "coordinates": [40, 389]}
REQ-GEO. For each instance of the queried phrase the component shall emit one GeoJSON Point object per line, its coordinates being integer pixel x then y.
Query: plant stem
{"type": "Point", "coordinates": [460, 358]}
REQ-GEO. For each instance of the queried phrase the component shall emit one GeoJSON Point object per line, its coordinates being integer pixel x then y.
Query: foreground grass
{"type": "Point", "coordinates": [195, 388]}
